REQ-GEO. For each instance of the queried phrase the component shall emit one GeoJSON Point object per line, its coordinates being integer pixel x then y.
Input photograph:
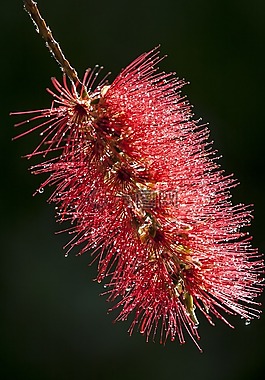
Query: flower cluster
{"type": "Point", "coordinates": [116, 148]}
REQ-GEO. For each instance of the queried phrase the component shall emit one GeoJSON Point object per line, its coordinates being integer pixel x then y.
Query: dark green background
{"type": "Point", "coordinates": [53, 323]}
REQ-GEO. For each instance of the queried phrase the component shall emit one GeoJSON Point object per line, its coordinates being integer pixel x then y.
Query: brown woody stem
{"type": "Point", "coordinates": [42, 28]}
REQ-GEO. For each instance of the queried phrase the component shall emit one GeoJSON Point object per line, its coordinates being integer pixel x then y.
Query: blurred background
{"type": "Point", "coordinates": [54, 324]}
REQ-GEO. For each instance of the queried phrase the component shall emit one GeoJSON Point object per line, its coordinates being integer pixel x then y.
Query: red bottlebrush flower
{"type": "Point", "coordinates": [138, 180]}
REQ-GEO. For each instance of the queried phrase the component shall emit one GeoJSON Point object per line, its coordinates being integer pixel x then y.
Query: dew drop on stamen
{"type": "Point", "coordinates": [41, 190]}
{"type": "Point", "coordinates": [247, 322]}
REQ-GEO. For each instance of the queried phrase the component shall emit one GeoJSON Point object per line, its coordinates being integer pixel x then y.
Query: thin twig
{"type": "Point", "coordinates": [42, 28]}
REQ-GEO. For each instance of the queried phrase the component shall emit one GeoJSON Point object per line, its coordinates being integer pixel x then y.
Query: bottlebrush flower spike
{"type": "Point", "coordinates": [138, 180]}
